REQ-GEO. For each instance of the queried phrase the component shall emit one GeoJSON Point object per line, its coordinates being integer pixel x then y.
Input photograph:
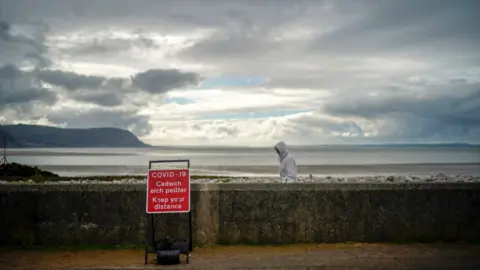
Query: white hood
{"type": "Point", "coordinates": [282, 149]}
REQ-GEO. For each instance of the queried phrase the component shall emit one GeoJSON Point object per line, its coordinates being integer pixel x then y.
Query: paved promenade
{"type": "Point", "coordinates": [325, 256]}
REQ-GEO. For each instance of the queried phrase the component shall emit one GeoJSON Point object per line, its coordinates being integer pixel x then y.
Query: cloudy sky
{"type": "Point", "coordinates": [245, 72]}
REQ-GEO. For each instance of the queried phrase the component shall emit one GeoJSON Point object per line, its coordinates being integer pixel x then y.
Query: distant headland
{"type": "Point", "coordinates": [28, 136]}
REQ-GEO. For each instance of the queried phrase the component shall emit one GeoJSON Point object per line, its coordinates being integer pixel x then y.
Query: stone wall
{"type": "Point", "coordinates": [243, 214]}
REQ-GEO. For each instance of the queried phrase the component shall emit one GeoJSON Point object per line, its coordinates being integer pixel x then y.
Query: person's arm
{"type": "Point", "coordinates": [283, 172]}
{"type": "Point", "coordinates": [292, 169]}
{"type": "Point", "coordinates": [289, 169]}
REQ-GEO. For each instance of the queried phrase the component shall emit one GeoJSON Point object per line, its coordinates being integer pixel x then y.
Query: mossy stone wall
{"type": "Point", "coordinates": [113, 214]}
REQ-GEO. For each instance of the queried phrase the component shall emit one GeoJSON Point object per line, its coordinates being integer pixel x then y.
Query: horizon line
{"type": "Point", "coordinates": [333, 144]}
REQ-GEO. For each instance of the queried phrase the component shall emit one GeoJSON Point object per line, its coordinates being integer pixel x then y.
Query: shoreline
{"type": "Point", "coordinates": [270, 171]}
{"type": "Point", "coordinates": [202, 179]}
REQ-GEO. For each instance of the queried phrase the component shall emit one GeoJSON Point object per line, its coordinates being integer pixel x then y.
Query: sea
{"type": "Point", "coordinates": [318, 161]}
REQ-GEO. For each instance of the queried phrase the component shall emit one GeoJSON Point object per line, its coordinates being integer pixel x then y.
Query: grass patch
{"type": "Point", "coordinates": [16, 171]}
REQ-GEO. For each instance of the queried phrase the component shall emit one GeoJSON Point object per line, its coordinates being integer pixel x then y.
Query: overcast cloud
{"type": "Point", "coordinates": [246, 72]}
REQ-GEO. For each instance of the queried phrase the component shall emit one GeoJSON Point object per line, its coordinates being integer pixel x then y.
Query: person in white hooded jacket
{"type": "Point", "coordinates": [288, 166]}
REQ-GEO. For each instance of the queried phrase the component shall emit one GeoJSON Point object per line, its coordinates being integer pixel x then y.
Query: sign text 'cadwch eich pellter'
{"type": "Point", "coordinates": [168, 191]}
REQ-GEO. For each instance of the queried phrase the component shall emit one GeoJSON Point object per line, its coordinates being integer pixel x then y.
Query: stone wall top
{"type": "Point", "coordinates": [243, 186]}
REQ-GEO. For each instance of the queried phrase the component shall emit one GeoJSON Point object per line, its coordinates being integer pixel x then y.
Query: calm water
{"type": "Point", "coordinates": [326, 160]}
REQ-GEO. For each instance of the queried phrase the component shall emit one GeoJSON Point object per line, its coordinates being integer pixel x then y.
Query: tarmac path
{"type": "Point", "coordinates": [305, 256]}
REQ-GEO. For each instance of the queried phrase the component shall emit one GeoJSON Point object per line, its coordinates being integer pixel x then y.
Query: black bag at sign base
{"type": "Point", "coordinates": [168, 251]}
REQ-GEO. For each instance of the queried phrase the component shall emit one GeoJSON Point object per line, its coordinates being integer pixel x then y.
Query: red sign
{"type": "Point", "coordinates": [168, 191]}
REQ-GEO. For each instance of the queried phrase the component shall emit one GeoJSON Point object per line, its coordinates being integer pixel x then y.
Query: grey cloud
{"type": "Point", "coordinates": [448, 112]}
{"type": "Point", "coordinates": [162, 14]}
{"type": "Point", "coordinates": [317, 129]}
{"type": "Point", "coordinates": [229, 131]}
{"type": "Point", "coordinates": [327, 126]}
{"type": "Point", "coordinates": [4, 30]}
{"type": "Point", "coordinates": [25, 87]}
{"type": "Point", "coordinates": [23, 48]}
{"type": "Point", "coordinates": [439, 35]}
{"type": "Point", "coordinates": [25, 99]}
{"type": "Point", "coordinates": [101, 98]}
{"type": "Point", "coordinates": [241, 42]}
{"type": "Point", "coordinates": [153, 80]}
{"type": "Point", "coordinates": [25, 95]}
{"type": "Point", "coordinates": [19, 87]}
{"type": "Point", "coordinates": [105, 46]}
{"type": "Point", "coordinates": [163, 80]}
{"type": "Point", "coordinates": [110, 92]}
{"type": "Point", "coordinates": [420, 26]}
{"type": "Point", "coordinates": [99, 117]}
{"type": "Point", "coordinates": [360, 26]}
{"type": "Point", "coordinates": [70, 80]}
{"type": "Point", "coordinates": [196, 127]}
{"type": "Point", "coordinates": [435, 32]}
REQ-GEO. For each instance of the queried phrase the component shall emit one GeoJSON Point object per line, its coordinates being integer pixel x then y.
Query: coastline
{"type": "Point", "coordinates": [212, 164]}
{"type": "Point", "coordinates": [269, 171]}
{"type": "Point", "coordinates": [141, 179]}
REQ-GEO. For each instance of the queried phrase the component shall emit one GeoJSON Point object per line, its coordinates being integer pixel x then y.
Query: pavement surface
{"type": "Point", "coordinates": [312, 256]}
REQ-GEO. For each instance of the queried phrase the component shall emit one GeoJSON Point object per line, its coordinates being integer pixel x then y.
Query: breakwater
{"type": "Point", "coordinates": [37, 214]}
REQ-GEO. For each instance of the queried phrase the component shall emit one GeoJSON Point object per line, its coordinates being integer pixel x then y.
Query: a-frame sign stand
{"type": "Point", "coordinates": [168, 191]}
